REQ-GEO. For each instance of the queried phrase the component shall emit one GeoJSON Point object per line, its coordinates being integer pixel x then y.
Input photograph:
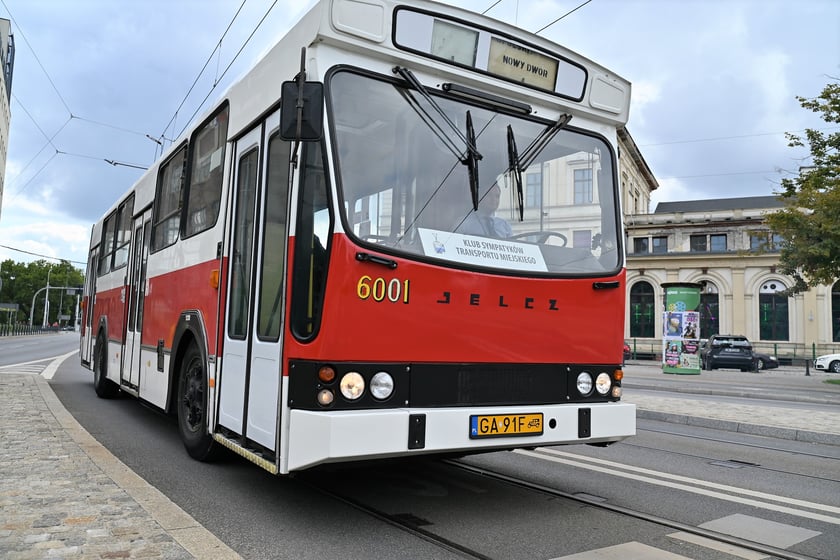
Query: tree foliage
{"type": "Point", "coordinates": [810, 220]}
{"type": "Point", "coordinates": [21, 282]}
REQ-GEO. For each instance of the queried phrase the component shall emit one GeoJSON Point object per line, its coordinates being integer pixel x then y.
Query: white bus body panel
{"type": "Point", "coordinates": [324, 437]}
{"type": "Point", "coordinates": [153, 383]}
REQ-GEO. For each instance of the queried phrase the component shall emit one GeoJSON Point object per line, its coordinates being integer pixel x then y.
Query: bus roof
{"type": "Point", "coordinates": [506, 61]}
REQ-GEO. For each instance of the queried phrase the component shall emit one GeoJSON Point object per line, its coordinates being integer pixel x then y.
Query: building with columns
{"type": "Point", "coordinates": [725, 246]}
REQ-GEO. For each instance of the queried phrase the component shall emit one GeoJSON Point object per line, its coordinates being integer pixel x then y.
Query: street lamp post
{"type": "Point", "coordinates": [12, 279]}
{"type": "Point", "coordinates": [47, 299]}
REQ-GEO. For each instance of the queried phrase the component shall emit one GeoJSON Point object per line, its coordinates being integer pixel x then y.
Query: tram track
{"type": "Point", "coordinates": [629, 512]}
{"type": "Point", "coordinates": [775, 449]}
{"type": "Point", "coordinates": [739, 443]}
{"type": "Point", "coordinates": [414, 526]}
{"type": "Point", "coordinates": [406, 523]}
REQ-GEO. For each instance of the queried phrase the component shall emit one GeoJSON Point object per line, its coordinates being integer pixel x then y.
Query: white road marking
{"type": "Point", "coordinates": [702, 487]}
{"type": "Point", "coordinates": [49, 372]}
{"type": "Point", "coordinates": [627, 551]}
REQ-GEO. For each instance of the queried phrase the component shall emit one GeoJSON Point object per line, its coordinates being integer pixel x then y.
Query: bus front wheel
{"type": "Point", "coordinates": [192, 407]}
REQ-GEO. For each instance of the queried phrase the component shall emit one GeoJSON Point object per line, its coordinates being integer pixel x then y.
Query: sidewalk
{"type": "Point", "coordinates": [63, 495]}
{"type": "Point", "coordinates": [705, 400]}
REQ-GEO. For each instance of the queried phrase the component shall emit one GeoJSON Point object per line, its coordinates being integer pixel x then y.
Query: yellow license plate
{"type": "Point", "coordinates": [498, 425]}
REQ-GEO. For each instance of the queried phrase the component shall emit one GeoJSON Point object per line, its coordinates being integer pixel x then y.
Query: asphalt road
{"type": "Point", "coordinates": [786, 492]}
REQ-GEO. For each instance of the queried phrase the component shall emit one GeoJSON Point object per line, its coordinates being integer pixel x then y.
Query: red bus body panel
{"type": "Point", "coordinates": [453, 316]}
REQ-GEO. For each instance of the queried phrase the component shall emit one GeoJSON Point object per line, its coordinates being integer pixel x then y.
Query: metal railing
{"type": "Point", "coordinates": [786, 352]}
{"type": "Point", "coordinates": [21, 329]}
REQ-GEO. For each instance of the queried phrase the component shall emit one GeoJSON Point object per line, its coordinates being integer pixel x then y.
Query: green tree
{"type": "Point", "coordinates": [21, 282]}
{"type": "Point", "coordinates": [810, 221]}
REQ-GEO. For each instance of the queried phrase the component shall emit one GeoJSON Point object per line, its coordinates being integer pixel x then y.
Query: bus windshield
{"type": "Point", "coordinates": [407, 191]}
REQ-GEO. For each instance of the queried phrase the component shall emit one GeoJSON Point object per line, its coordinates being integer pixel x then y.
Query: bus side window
{"type": "Point", "coordinates": [207, 161]}
{"type": "Point", "coordinates": [167, 216]}
{"type": "Point", "coordinates": [311, 239]}
{"type": "Point", "coordinates": [107, 244]}
{"type": "Point", "coordinates": [274, 239]}
{"type": "Point", "coordinates": [123, 233]}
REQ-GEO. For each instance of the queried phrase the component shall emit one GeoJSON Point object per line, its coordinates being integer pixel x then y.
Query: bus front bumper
{"type": "Point", "coordinates": [317, 437]}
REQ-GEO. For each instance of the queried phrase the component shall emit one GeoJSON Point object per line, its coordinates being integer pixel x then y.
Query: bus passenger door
{"type": "Point", "coordinates": [136, 294]}
{"type": "Point", "coordinates": [251, 367]}
{"type": "Point", "coordinates": [87, 334]}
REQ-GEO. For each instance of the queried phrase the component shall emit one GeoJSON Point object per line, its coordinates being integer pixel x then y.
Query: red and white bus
{"type": "Point", "coordinates": [416, 250]}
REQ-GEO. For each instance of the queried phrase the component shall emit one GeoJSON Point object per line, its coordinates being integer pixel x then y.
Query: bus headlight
{"type": "Point", "coordinates": [352, 385]}
{"type": "Point", "coordinates": [382, 385]}
{"type": "Point", "coordinates": [584, 383]}
{"type": "Point", "coordinates": [603, 383]}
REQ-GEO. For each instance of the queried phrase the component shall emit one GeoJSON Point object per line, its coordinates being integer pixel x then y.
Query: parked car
{"type": "Point", "coordinates": [829, 362]}
{"type": "Point", "coordinates": [627, 352]}
{"type": "Point", "coordinates": [765, 361]}
{"type": "Point", "coordinates": [727, 351]}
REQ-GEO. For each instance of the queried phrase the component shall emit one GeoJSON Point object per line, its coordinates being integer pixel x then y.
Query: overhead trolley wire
{"type": "Point", "coordinates": [561, 17]}
{"type": "Point", "coordinates": [218, 47]}
{"type": "Point", "coordinates": [38, 60]}
{"type": "Point", "coordinates": [219, 78]}
{"type": "Point", "coordinates": [42, 256]}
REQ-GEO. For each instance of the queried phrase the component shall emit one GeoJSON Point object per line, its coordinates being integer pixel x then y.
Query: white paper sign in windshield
{"type": "Point", "coordinates": [481, 251]}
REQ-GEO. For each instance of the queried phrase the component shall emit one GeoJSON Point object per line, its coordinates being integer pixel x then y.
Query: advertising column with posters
{"type": "Point", "coordinates": [681, 325]}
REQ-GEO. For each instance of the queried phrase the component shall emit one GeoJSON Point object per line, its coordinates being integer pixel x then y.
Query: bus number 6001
{"type": "Point", "coordinates": [379, 289]}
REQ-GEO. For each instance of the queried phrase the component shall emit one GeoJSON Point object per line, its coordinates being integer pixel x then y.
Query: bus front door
{"type": "Point", "coordinates": [249, 384]}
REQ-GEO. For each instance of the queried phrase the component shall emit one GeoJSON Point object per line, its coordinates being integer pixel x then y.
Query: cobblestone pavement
{"type": "Point", "coordinates": [700, 404]}
{"type": "Point", "coordinates": [63, 495]}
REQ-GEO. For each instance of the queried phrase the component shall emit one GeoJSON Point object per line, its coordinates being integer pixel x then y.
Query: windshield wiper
{"type": "Point", "coordinates": [518, 164]}
{"type": "Point", "coordinates": [541, 141]}
{"type": "Point", "coordinates": [470, 156]}
{"type": "Point", "coordinates": [472, 161]}
{"type": "Point", "coordinates": [513, 169]}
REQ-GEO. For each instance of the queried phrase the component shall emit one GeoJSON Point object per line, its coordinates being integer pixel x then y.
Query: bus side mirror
{"type": "Point", "coordinates": [302, 112]}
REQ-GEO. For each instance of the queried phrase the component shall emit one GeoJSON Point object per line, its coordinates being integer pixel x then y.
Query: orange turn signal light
{"type": "Point", "coordinates": [618, 375]}
{"type": "Point", "coordinates": [326, 374]}
{"type": "Point", "coordinates": [214, 279]}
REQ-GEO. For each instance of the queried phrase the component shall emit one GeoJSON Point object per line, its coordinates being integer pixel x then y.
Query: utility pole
{"type": "Point", "coordinates": [47, 299]}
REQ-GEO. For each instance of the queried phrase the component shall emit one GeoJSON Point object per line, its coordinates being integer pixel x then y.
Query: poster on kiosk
{"type": "Point", "coordinates": [681, 325]}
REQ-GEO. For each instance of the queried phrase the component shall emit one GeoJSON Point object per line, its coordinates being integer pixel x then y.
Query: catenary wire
{"type": "Point", "coordinates": [203, 68]}
{"type": "Point", "coordinates": [35, 55]}
{"type": "Point", "coordinates": [561, 17]}
{"type": "Point", "coordinates": [218, 79]}
{"type": "Point", "coordinates": [733, 137]}
{"type": "Point", "coordinates": [42, 256]}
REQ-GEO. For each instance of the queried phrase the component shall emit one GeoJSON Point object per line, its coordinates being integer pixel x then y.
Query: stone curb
{"type": "Point", "coordinates": [805, 436]}
{"type": "Point", "coordinates": [732, 393]}
{"type": "Point", "coordinates": [181, 526]}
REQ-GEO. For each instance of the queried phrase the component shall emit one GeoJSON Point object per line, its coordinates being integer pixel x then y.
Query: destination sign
{"type": "Point", "coordinates": [487, 51]}
{"type": "Point", "coordinates": [521, 64]}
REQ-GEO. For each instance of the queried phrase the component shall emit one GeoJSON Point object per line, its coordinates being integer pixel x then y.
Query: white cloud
{"type": "Point", "coordinates": [700, 69]}
{"type": "Point", "coordinates": [673, 189]}
{"type": "Point", "coordinates": [645, 93]}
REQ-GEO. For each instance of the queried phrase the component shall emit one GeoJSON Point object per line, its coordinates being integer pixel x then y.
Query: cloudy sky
{"type": "Point", "coordinates": [714, 89]}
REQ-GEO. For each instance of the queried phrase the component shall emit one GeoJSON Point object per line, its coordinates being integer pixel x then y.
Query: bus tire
{"type": "Point", "coordinates": [104, 387]}
{"type": "Point", "coordinates": [192, 407]}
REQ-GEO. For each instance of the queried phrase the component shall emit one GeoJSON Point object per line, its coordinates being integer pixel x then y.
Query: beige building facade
{"type": "Point", "coordinates": [724, 246]}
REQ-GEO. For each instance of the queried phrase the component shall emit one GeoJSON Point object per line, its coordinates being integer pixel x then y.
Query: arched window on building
{"type": "Point", "coordinates": [772, 311]}
{"type": "Point", "coordinates": [709, 310]}
{"type": "Point", "coordinates": [835, 312]}
{"type": "Point", "coordinates": [642, 308]}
